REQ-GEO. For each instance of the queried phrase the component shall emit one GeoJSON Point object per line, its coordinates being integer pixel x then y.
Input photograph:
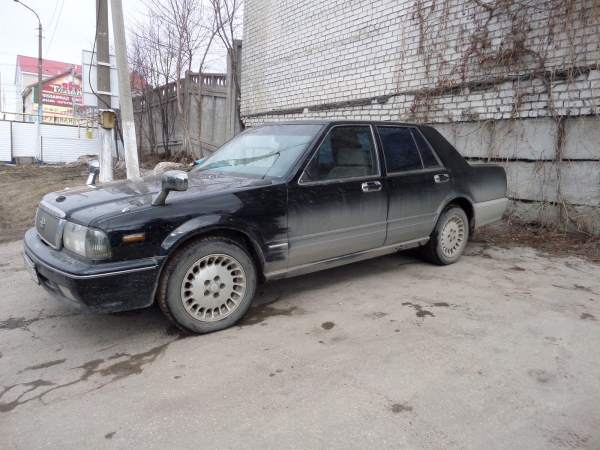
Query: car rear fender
{"type": "Point", "coordinates": [463, 202]}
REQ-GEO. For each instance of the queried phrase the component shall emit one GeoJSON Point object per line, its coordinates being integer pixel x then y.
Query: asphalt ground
{"type": "Point", "coordinates": [498, 351]}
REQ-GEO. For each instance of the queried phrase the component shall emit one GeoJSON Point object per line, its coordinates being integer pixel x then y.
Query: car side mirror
{"type": "Point", "coordinates": [94, 172]}
{"type": "Point", "coordinates": [173, 180]}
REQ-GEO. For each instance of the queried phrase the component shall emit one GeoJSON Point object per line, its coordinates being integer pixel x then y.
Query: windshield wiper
{"type": "Point", "coordinates": [244, 161]}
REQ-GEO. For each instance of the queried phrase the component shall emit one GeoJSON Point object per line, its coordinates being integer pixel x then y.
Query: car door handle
{"type": "Point", "coordinates": [371, 186]}
{"type": "Point", "coordinates": [442, 178]}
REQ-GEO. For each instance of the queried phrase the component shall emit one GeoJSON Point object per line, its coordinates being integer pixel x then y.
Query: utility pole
{"type": "Point", "coordinates": [129, 139]}
{"type": "Point", "coordinates": [103, 72]}
{"type": "Point", "coordinates": [39, 92]}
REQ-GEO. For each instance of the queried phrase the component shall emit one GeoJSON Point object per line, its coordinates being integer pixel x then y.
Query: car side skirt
{"type": "Point", "coordinates": [490, 211]}
{"type": "Point", "coordinates": [341, 260]}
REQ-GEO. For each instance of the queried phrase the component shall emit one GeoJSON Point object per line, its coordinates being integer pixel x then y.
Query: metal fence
{"type": "Point", "coordinates": [59, 143]}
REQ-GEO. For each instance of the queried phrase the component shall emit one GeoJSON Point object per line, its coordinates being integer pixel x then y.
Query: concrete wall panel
{"type": "Point", "coordinates": [583, 138]}
{"type": "Point", "coordinates": [530, 139]}
{"type": "Point", "coordinates": [580, 182]}
{"type": "Point", "coordinates": [531, 180]}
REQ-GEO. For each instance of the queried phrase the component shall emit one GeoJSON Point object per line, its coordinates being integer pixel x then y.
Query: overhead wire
{"type": "Point", "coordinates": [53, 12]}
{"type": "Point", "coordinates": [55, 27]}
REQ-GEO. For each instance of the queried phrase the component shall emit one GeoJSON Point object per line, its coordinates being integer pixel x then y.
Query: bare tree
{"type": "Point", "coordinates": [185, 23]}
{"type": "Point", "coordinates": [228, 24]}
{"type": "Point", "coordinates": [175, 36]}
{"type": "Point", "coordinates": [153, 48]}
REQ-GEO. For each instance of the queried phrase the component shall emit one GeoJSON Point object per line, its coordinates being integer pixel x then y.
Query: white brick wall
{"type": "Point", "coordinates": [308, 53]}
{"type": "Point", "coordinates": [302, 58]}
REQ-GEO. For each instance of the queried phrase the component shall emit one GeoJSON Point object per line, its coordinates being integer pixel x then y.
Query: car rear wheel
{"type": "Point", "coordinates": [449, 237]}
{"type": "Point", "coordinates": [208, 285]}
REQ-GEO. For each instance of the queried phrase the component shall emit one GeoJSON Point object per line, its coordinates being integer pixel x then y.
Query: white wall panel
{"type": "Point", "coordinates": [5, 153]}
{"type": "Point", "coordinates": [65, 150]}
{"type": "Point", "coordinates": [24, 139]}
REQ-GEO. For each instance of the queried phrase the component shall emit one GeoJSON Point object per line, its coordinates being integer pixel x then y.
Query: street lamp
{"type": "Point", "coordinates": [39, 119]}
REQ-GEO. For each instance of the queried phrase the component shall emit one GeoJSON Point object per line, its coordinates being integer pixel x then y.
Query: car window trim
{"type": "Point", "coordinates": [337, 180]}
{"type": "Point", "coordinates": [422, 169]}
{"type": "Point", "coordinates": [417, 172]}
{"type": "Point", "coordinates": [430, 148]}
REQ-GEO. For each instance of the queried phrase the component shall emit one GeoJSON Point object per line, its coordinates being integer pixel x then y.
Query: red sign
{"type": "Point", "coordinates": [60, 94]}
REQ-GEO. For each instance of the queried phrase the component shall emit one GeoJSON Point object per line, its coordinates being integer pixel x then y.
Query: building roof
{"type": "Point", "coordinates": [46, 80]}
{"type": "Point", "coordinates": [138, 82]}
{"type": "Point", "coordinates": [50, 68]}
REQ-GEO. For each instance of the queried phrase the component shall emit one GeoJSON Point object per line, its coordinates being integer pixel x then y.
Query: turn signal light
{"type": "Point", "coordinates": [134, 237]}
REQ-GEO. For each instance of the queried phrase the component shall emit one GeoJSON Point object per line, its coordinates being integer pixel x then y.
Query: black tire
{"type": "Point", "coordinates": [446, 249]}
{"type": "Point", "coordinates": [185, 282]}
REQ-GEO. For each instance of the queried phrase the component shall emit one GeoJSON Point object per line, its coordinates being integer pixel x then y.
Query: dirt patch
{"type": "Point", "coordinates": [546, 241]}
{"type": "Point", "coordinates": [23, 187]}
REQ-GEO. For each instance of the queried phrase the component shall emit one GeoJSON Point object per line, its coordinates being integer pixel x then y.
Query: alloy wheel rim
{"type": "Point", "coordinates": [453, 236]}
{"type": "Point", "coordinates": [213, 287]}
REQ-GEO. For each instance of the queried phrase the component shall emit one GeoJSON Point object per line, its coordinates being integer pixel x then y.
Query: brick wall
{"type": "Point", "coordinates": [505, 80]}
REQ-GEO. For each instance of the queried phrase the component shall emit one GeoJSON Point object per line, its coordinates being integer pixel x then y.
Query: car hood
{"type": "Point", "coordinates": [85, 203]}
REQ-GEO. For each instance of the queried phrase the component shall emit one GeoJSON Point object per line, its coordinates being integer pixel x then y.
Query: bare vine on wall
{"type": "Point", "coordinates": [538, 50]}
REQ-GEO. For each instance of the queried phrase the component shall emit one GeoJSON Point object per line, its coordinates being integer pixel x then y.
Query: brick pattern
{"type": "Point", "coordinates": [501, 85]}
{"type": "Point", "coordinates": [307, 53]}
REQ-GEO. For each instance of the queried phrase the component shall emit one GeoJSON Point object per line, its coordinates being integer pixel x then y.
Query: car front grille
{"type": "Point", "coordinates": [49, 227]}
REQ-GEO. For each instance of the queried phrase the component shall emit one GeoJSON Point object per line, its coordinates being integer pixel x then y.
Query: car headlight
{"type": "Point", "coordinates": [84, 241]}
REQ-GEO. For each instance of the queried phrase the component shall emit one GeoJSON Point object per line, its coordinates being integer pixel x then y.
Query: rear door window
{"type": "Point", "coordinates": [429, 159]}
{"type": "Point", "coordinates": [400, 150]}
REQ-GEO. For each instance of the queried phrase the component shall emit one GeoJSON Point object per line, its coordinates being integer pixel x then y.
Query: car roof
{"type": "Point", "coordinates": [338, 121]}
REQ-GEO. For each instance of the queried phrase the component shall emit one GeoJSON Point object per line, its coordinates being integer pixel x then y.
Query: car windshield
{"type": "Point", "coordinates": [266, 150]}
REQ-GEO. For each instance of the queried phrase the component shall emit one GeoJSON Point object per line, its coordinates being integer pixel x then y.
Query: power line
{"type": "Point", "coordinates": [55, 27]}
{"type": "Point", "coordinates": [53, 12]}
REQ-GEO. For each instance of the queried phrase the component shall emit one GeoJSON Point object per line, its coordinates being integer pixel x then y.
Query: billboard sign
{"type": "Point", "coordinates": [59, 92]}
{"type": "Point", "coordinates": [57, 100]}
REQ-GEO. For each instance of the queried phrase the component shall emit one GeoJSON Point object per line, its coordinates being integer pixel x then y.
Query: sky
{"type": "Point", "coordinates": [68, 28]}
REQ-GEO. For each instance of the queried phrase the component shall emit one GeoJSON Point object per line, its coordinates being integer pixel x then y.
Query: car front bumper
{"type": "Point", "coordinates": [93, 288]}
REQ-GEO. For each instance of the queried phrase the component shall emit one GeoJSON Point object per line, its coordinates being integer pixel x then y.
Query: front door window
{"type": "Point", "coordinates": [346, 152]}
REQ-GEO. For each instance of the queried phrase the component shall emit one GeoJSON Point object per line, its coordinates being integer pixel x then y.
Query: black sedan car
{"type": "Point", "coordinates": [276, 201]}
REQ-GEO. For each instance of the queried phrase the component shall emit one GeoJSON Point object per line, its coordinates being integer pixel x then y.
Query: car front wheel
{"type": "Point", "coordinates": [449, 237]}
{"type": "Point", "coordinates": [208, 285]}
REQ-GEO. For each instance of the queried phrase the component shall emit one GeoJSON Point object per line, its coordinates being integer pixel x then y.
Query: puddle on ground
{"type": "Point", "coordinates": [327, 325]}
{"type": "Point", "coordinates": [377, 315]}
{"type": "Point", "coordinates": [174, 330]}
{"type": "Point", "coordinates": [398, 408]}
{"type": "Point", "coordinates": [31, 386]}
{"type": "Point", "coordinates": [260, 313]}
{"type": "Point", "coordinates": [130, 365]}
{"type": "Point", "coordinates": [44, 365]}
{"type": "Point", "coordinates": [541, 376]}
{"type": "Point", "coordinates": [587, 316]}
{"type": "Point", "coordinates": [420, 311]}
{"type": "Point", "coordinates": [12, 323]}
{"type": "Point", "coordinates": [133, 364]}
{"type": "Point", "coordinates": [575, 287]}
